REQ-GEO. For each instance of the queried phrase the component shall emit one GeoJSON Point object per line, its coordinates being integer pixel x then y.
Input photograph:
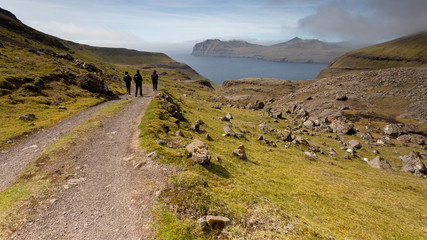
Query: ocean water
{"type": "Point", "coordinates": [219, 69]}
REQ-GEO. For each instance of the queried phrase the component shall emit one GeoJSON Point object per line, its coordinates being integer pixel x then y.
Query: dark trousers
{"type": "Point", "coordinates": [154, 85]}
{"type": "Point", "coordinates": [128, 88]}
{"type": "Point", "coordinates": [138, 86]}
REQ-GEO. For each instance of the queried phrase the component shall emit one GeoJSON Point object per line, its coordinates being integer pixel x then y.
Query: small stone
{"type": "Point", "coordinates": [217, 222]}
{"type": "Point", "coordinates": [240, 152]}
{"type": "Point", "coordinates": [28, 117]}
{"type": "Point", "coordinates": [310, 155]}
{"type": "Point", "coordinates": [10, 142]}
{"type": "Point", "coordinates": [161, 142]}
{"type": "Point", "coordinates": [62, 107]}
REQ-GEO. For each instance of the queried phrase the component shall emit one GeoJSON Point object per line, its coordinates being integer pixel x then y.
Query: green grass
{"type": "Point", "coordinates": [278, 187]}
{"type": "Point", "coordinates": [39, 181]}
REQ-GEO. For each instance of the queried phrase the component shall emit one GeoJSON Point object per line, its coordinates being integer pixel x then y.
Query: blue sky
{"type": "Point", "coordinates": [165, 25]}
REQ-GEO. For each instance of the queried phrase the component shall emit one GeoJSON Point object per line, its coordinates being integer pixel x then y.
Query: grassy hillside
{"type": "Point", "coordinates": [277, 193]}
{"type": "Point", "coordinates": [408, 51]}
{"type": "Point", "coordinates": [39, 73]}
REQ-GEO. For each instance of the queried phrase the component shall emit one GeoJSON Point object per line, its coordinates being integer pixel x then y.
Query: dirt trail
{"type": "Point", "coordinates": [14, 158]}
{"type": "Point", "coordinates": [106, 198]}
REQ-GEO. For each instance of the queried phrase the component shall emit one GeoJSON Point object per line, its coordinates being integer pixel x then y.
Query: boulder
{"type": "Point", "coordinates": [408, 138]}
{"type": "Point", "coordinates": [310, 155]}
{"type": "Point", "coordinates": [198, 151]}
{"type": "Point", "coordinates": [396, 130]}
{"type": "Point", "coordinates": [92, 83]}
{"type": "Point", "coordinates": [309, 124]}
{"type": "Point", "coordinates": [228, 131]}
{"type": "Point", "coordinates": [354, 144]}
{"type": "Point", "coordinates": [366, 136]}
{"type": "Point", "coordinates": [90, 67]}
{"type": "Point", "coordinates": [341, 97]}
{"type": "Point", "coordinates": [28, 117]}
{"type": "Point", "coordinates": [332, 153]}
{"type": "Point", "coordinates": [240, 152]}
{"type": "Point", "coordinates": [340, 126]}
{"type": "Point", "coordinates": [265, 127]}
{"type": "Point", "coordinates": [379, 162]}
{"type": "Point", "coordinates": [217, 222]}
{"type": "Point", "coordinates": [300, 140]}
{"type": "Point", "coordinates": [196, 127]}
{"type": "Point", "coordinates": [66, 56]}
{"type": "Point", "coordinates": [286, 136]}
{"type": "Point", "coordinates": [412, 163]}
{"type": "Point", "coordinates": [229, 116]}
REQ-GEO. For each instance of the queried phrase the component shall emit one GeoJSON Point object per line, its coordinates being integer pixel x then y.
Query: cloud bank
{"type": "Point", "coordinates": [367, 21]}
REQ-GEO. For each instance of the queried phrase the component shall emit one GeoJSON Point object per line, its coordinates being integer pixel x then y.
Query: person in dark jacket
{"type": "Point", "coordinates": [128, 80]}
{"type": "Point", "coordinates": [138, 83]}
{"type": "Point", "coordinates": [154, 79]}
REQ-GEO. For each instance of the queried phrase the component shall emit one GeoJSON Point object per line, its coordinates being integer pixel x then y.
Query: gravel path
{"type": "Point", "coordinates": [14, 158]}
{"type": "Point", "coordinates": [107, 197]}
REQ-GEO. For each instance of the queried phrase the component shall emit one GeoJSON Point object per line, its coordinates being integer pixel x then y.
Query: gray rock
{"type": "Point", "coordinates": [310, 155]}
{"type": "Point", "coordinates": [228, 131]}
{"type": "Point", "coordinates": [385, 140]}
{"type": "Point", "coordinates": [379, 162]}
{"type": "Point", "coordinates": [203, 224]}
{"type": "Point", "coordinates": [366, 136]}
{"type": "Point", "coordinates": [412, 162]}
{"type": "Point", "coordinates": [341, 97]}
{"type": "Point", "coordinates": [396, 130]}
{"type": "Point", "coordinates": [28, 117]}
{"type": "Point", "coordinates": [179, 133]}
{"type": "Point", "coordinates": [153, 155]}
{"type": "Point", "coordinates": [332, 153]}
{"type": "Point", "coordinates": [309, 124]}
{"type": "Point", "coordinates": [240, 152]}
{"type": "Point", "coordinates": [199, 152]}
{"type": "Point", "coordinates": [62, 107]}
{"type": "Point", "coordinates": [354, 144]}
{"type": "Point", "coordinates": [161, 142]}
{"type": "Point", "coordinates": [265, 127]}
{"type": "Point", "coordinates": [217, 222]}
{"type": "Point", "coordinates": [301, 140]}
{"type": "Point", "coordinates": [229, 116]}
{"type": "Point", "coordinates": [340, 126]}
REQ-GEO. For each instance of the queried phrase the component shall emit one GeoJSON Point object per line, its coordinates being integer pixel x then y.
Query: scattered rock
{"type": "Point", "coordinates": [332, 153]}
{"type": "Point", "coordinates": [265, 127]}
{"type": "Point", "coordinates": [75, 181]}
{"type": "Point", "coordinates": [412, 162]}
{"type": "Point", "coordinates": [228, 131]}
{"type": "Point", "coordinates": [408, 138]}
{"type": "Point", "coordinates": [310, 155]}
{"type": "Point", "coordinates": [170, 106]}
{"type": "Point", "coordinates": [217, 222]}
{"type": "Point", "coordinates": [161, 142]}
{"type": "Point", "coordinates": [203, 223]}
{"type": "Point", "coordinates": [260, 137]}
{"type": "Point", "coordinates": [300, 140]}
{"type": "Point", "coordinates": [153, 155]}
{"type": "Point", "coordinates": [179, 133]}
{"type": "Point", "coordinates": [385, 140]}
{"type": "Point", "coordinates": [379, 162]}
{"type": "Point", "coordinates": [28, 117]}
{"type": "Point", "coordinates": [396, 130]}
{"type": "Point", "coordinates": [199, 152]}
{"type": "Point", "coordinates": [9, 142]}
{"type": "Point", "coordinates": [354, 144]}
{"type": "Point", "coordinates": [366, 136]}
{"type": "Point", "coordinates": [196, 127]}
{"type": "Point", "coordinates": [341, 97]}
{"type": "Point", "coordinates": [240, 152]}
{"type": "Point", "coordinates": [62, 107]}
{"type": "Point", "coordinates": [92, 83]}
{"type": "Point", "coordinates": [340, 126]}
{"type": "Point", "coordinates": [309, 124]}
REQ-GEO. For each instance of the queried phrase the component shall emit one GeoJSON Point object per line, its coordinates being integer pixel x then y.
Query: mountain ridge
{"type": "Point", "coordinates": [295, 50]}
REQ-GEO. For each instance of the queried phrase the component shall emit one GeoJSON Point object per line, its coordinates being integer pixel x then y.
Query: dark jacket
{"type": "Point", "coordinates": [137, 78]}
{"type": "Point", "coordinates": [154, 77]}
{"type": "Point", "coordinates": [127, 79]}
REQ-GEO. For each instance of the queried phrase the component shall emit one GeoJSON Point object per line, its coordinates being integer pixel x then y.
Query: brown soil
{"type": "Point", "coordinates": [106, 196]}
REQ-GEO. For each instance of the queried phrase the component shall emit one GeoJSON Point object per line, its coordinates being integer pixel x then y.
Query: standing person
{"type": "Point", "coordinates": [128, 80]}
{"type": "Point", "coordinates": [154, 79]}
{"type": "Point", "coordinates": [138, 83]}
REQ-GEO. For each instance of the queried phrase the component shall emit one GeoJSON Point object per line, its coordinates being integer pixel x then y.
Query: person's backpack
{"type": "Point", "coordinates": [137, 78]}
{"type": "Point", "coordinates": [128, 79]}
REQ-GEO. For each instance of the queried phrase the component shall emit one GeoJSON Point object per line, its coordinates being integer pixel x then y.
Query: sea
{"type": "Point", "coordinates": [220, 69]}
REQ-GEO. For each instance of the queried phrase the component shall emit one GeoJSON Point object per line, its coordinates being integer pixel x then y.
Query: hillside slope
{"type": "Point", "coordinates": [295, 50]}
{"type": "Point", "coordinates": [40, 73]}
{"type": "Point", "coordinates": [407, 51]}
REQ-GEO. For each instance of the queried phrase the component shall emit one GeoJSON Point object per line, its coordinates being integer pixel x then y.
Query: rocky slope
{"type": "Point", "coordinates": [295, 50]}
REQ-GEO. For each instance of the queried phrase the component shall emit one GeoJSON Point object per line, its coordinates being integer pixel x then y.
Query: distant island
{"type": "Point", "coordinates": [296, 50]}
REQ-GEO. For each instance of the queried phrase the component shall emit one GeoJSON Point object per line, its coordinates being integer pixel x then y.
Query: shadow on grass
{"type": "Point", "coordinates": [218, 170]}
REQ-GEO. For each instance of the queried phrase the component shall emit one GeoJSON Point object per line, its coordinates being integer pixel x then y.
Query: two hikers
{"type": "Point", "coordinates": [137, 78]}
